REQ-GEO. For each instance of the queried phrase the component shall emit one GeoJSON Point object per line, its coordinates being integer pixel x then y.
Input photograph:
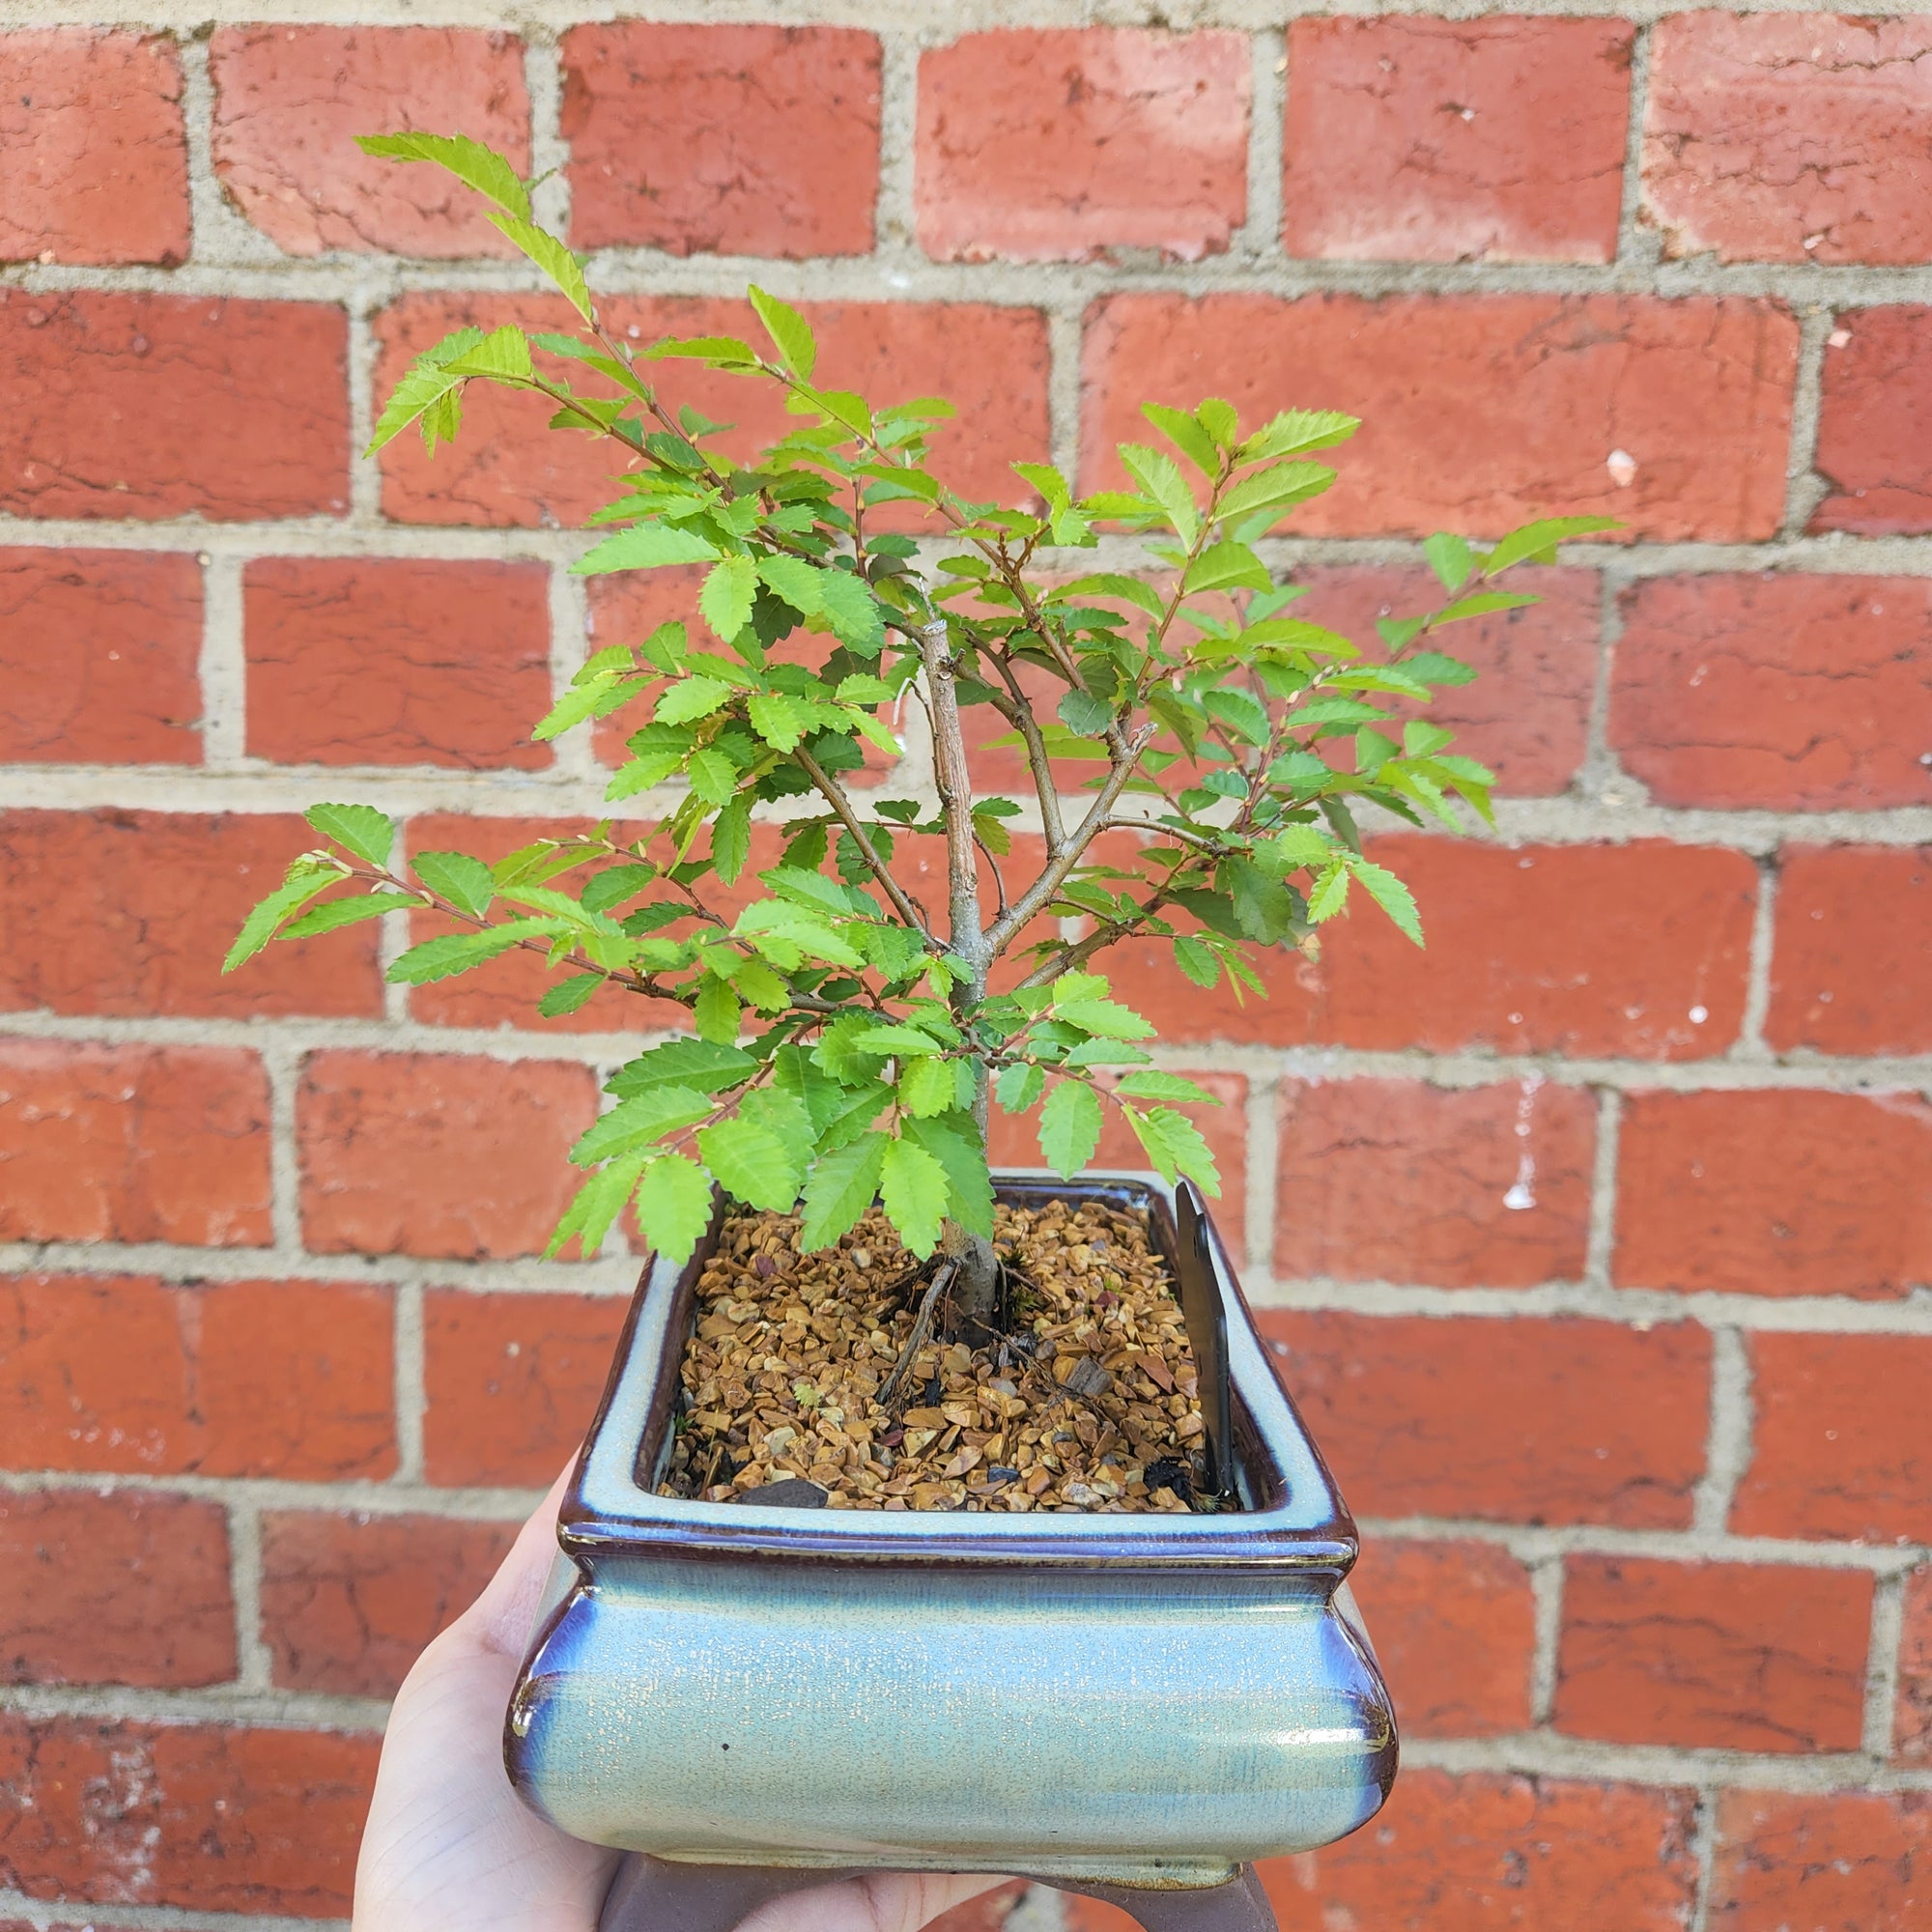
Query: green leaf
{"type": "Point", "coordinates": [857, 621]}
{"type": "Point", "coordinates": [590, 698]}
{"type": "Point", "coordinates": [597, 1203]}
{"type": "Point", "coordinates": [731, 838]}
{"type": "Point", "coordinates": [954, 1142]}
{"type": "Point", "coordinates": [454, 952]}
{"type": "Point", "coordinates": [674, 1206]}
{"type": "Point", "coordinates": [469, 161]}
{"type": "Point", "coordinates": [464, 882]}
{"type": "Point", "coordinates": [1019, 1087]}
{"type": "Point", "coordinates": [503, 354]}
{"type": "Point", "coordinates": [690, 699]}
{"type": "Point", "coordinates": [347, 912]}
{"type": "Point", "coordinates": [717, 1012]}
{"type": "Point", "coordinates": [1241, 711]}
{"type": "Point", "coordinates": [646, 1117]}
{"type": "Point", "coordinates": [1196, 960]}
{"type": "Point", "coordinates": [426, 384]}
{"type": "Point", "coordinates": [1434, 667]}
{"type": "Point", "coordinates": [714, 777]}
{"type": "Point", "coordinates": [1104, 1019]}
{"type": "Point", "coordinates": [726, 600]}
{"type": "Point", "coordinates": [1227, 567]}
{"type": "Point", "coordinates": [684, 1062]}
{"type": "Point", "coordinates": [552, 256]}
{"type": "Point", "coordinates": [914, 1189]}
{"type": "Point", "coordinates": [1482, 603]}
{"type": "Point", "coordinates": [1263, 907]}
{"type": "Point", "coordinates": [1390, 894]}
{"type": "Point", "coordinates": [842, 1186]}
{"type": "Point", "coordinates": [779, 719]}
{"type": "Point", "coordinates": [307, 877]}
{"type": "Point", "coordinates": [1069, 1128]}
{"type": "Point", "coordinates": [1186, 434]}
{"type": "Point", "coordinates": [1275, 490]}
{"type": "Point", "coordinates": [1297, 430]}
{"type": "Point", "coordinates": [644, 547]}
{"type": "Point", "coordinates": [797, 347]}
{"type": "Point", "coordinates": [795, 581]}
{"type": "Point", "coordinates": [929, 1086]}
{"type": "Point", "coordinates": [567, 995]}
{"type": "Point", "coordinates": [753, 1161]}
{"type": "Point", "coordinates": [1450, 558]}
{"type": "Point", "coordinates": [1082, 712]}
{"type": "Point", "coordinates": [1541, 538]}
{"type": "Point", "coordinates": [1159, 476]}
{"type": "Point", "coordinates": [1174, 1143]}
{"type": "Point", "coordinates": [358, 828]}
{"type": "Point", "coordinates": [905, 1041]}
{"type": "Point", "coordinates": [1330, 895]}
{"type": "Point", "coordinates": [1153, 1083]}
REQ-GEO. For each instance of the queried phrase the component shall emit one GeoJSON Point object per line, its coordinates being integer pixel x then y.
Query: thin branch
{"type": "Point", "coordinates": [999, 883]}
{"type": "Point", "coordinates": [969, 938]}
{"type": "Point", "coordinates": [833, 794]}
{"type": "Point", "coordinates": [1018, 713]}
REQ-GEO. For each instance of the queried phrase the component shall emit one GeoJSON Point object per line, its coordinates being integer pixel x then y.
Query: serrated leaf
{"type": "Point", "coordinates": [1393, 896]}
{"type": "Point", "coordinates": [1295, 430]}
{"type": "Point", "coordinates": [644, 547]}
{"type": "Point", "coordinates": [1275, 490]}
{"type": "Point", "coordinates": [714, 777]}
{"type": "Point", "coordinates": [469, 161]}
{"type": "Point", "coordinates": [1241, 711]}
{"type": "Point", "coordinates": [1227, 567]}
{"type": "Point", "coordinates": [552, 256]}
{"type": "Point", "coordinates": [568, 995]}
{"type": "Point", "coordinates": [796, 582]}
{"type": "Point", "coordinates": [715, 1012]}
{"type": "Point", "coordinates": [596, 1204]}
{"type": "Point", "coordinates": [842, 1185]}
{"type": "Point", "coordinates": [464, 882]}
{"type": "Point", "coordinates": [913, 1189]}
{"type": "Point", "coordinates": [954, 1142]}
{"type": "Point", "coordinates": [690, 699]}
{"type": "Point", "coordinates": [595, 698]}
{"type": "Point", "coordinates": [1104, 1019]}
{"type": "Point", "coordinates": [674, 1206]}
{"type": "Point", "coordinates": [1186, 434]}
{"type": "Point", "coordinates": [856, 619]}
{"type": "Point", "coordinates": [1069, 1128]}
{"type": "Point", "coordinates": [1155, 1083]}
{"type": "Point", "coordinates": [361, 828]}
{"type": "Point", "coordinates": [646, 1117]}
{"type": "Point", "coordinates": [928, 1086]}
{"type": "Point", "coordinates": [780, 721]}
{"type": "Point", "coordinates": [1329, 895]}
{"type": "Point", "coordinates": [1545, 534]}
{"type": "Point", "coordinates": [1175, 1145]}
{"type": "Point", "coordinates": [426, 384]}
{"type": "Point", "coordinates": [1434, 667]}
{"type": "Point", "coordinates": [754, 1159]}
{"type": "Point", "coordinates": [1159, 476]}
{"type": "Point", "coordinates": [904, 1043]}
{"type": "Point", "coordinates": [503, 354]}
{"type": "Point", "coordinates": [305, 878]}
{"type": "Point", "coordinates": [731, 838]}
{"type": "Point", "coordinates": [1196, 960]}
{"type": "Point", "coordinates": [1019, 1087]}
{"type": "Point", "coordinates": [792, 336]}
{"type": "Point", "coordinates": [443, 957]}
{"type": "Point", "coordinates": [1080, 711]}
{"type": "Point", "coordinates": [683, 1062]}
{"type": "Point", "coordinates": [347, 912]}
{"type": "Point", "coordinates": [726, 600]}
{"type": "Point", "coordinates": [1450, 558]}
{"type": "Point", "coordinates": [1482, 603]}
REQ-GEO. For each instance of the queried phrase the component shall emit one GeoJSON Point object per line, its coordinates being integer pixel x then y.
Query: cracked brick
{"type": "Point", "coordinates": [1849, 956]}
{"type": "Point", "coordinates": [1839, 1861]}
{"type": "Point", "coordinates": [1875, 423]}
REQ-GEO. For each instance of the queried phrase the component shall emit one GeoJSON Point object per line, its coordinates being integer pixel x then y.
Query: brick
{"type": "Point", "coordinates": [1454, 1626]}
{"type": "Point", "coordinates": [512, 1382]}
{"type": "Point", "coordinates": [722, 140]}
{"type": "Point", "coordinates": [395, 662]}
{"type": "Point", "coordinates": [114, 1589]}
{"type": "Point", "coordinates": [988, 1912]}
{"type": "Point", "coordinates": [148, 406]}
{"type": "Point", "coordinates": [1712, 1656]}
{"type": "Point", "coordinates": [1527, 715]}
{"type": "Point", "coordinates": [1633, 951]}
{"type": "Point", "coordinates": [131, 912]}
{"type": "Point", "coordinates": [349, 1602]}
{"type": "Point", "coordinates": [1058, 145]}
{"type": "Point", "coordinates": [1853, 934]}
{"type": "Point", "coordinates": [1706, 1202]}
{"type": "Point", "coordinates": [1806, 137]}
{"type": "Point", "coordinates": [1778, 691]}
{"type": "Point", "coordinates": [134, 1144]}
{"type": "Point", "coordinates": [1428, 140]}
{"type": "Point", "coordinates": [1013, 1142]}
{"type": "Point", "coordinates": [507, 468]}
{"type": "Point", "coordinates": [97, 157]}
{"type": "Point", "coordinates": [1833, 1862]}
{"type": "Point", "coordinates": [1481, 410]}
{"type": "Point", "coordinates": [1840, 1447]}
{"type": "Point", "coordinates": [201, 1816]}
{"type": "Point", "coordinates": [1875, 424]}
{"type": "Point", "coordinates": [100, 652]}
{"type": "Point", "coordinates": [1465, 1187]}
{"type": "Point", "coordinates": [1912, 1729]}
{"type": "Point", "coordinates": [1556, 1421]}
{"type": "Point", "coordinates": [436, 1154]}
{"type": "Point", "coordinates": [125, 1374]}
{"type": "Point", "coordinates": [289, 102]}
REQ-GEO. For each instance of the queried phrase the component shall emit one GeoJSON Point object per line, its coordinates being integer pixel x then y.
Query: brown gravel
{"type": "Point", "coordinates": [1088, 1406]}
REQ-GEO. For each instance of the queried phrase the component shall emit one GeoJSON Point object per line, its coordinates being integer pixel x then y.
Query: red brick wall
{"type": "Point", "coordinates": [1596, 1243]}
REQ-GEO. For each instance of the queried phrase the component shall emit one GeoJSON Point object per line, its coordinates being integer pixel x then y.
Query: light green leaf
{"type": "Point", "coordinates": [914, 1189]}
{"type": "Point", "coordinates": [731, 838]}
{"type": "Point", "coordinates": [426, 383]}
{"type": "Point", "coordinates": [780, 721]}
{"type": "Point", "coordinates": [1159, 476]}
{"type": "Point", "coordinates": [568, 995]}
{"type": "Point", "coordinates": [1541, 538]}
{"type": "Point", "coordinates": [1330, 895]}
{"type": "Point", "coordinates": [646, 1117]}
{"type": "Point", "coordinates": [717, 1012]}
{"type": "Point", "coordinates": [347, 912]}
{"type": "Point", "coordinates": [1227, 567]}
{"type": "Point", "coordinates": [1450, 558]}
{"type": "Point", "coordinates": [1069, 1128]}
{"type": "Point", "coordinates": [1482, 603]}
{"type": "Point", "coordinates": [1277, 489]}
{"type": "Point", "coordinates": [854, 612]}
{"type": "Point", "coordinates": [714, 777]}
{"type": "Point", "coordinates": [689, 700]}
{"type": "Point", "coordinates": [797, 347]}
{"type": "Point", "coordinates": [683, 1062]}
{"type": "Point", "coordinates": [469, 161]}
{"type": "Point", "coordinates": [644, 547]}
{"type": "Point", "coordinates": [305, 878]}
{"type": "Point", "coordinates": [502, 355]}
{"type": "Point", "coordinates": [464, 882]}
{"type": "Point", "coordinates": [1174, 1143]}
{"type": "Point", "coordinates": [552, 256]}
{"type": "Point", "coordinates": [597, 1203]}
{"type": "Point", "coordinates": [726, 600]}
{"type": "Point", "coordinates": [798, 583]}
{"type": "Point", "coordinates": [1186, 434]}
{"type": "Point", "coordinates": [1297, 430]}
{"type": "Point", "coordinates": [905, 1041]}
{"type": "Point", "coordinates": [955, 1143]}
{"type": "Point", "coordinates": [360, 829]}
{"type": "Point", "coordinates": [1390, 894]}
{"type": "Point", "coordinates": [1019, 1087]}
{"type": "Point", "coordinates": [456, 952]}
{"type": "Point", "coordinates": [1104, 1019]}
{"type": "Point", "coordinates": [674, 1206]}
{"type": "Point", "coordinates": [929, 1086]}
{"type": "Point", "coordinates": [1196, 960]}
{"type": "Point", "coordinates": [842, 1184]}
{"type": "Point", "coordinates": [1153, 1083]}
{"type": "Point", "coordinates": [753, 1162]}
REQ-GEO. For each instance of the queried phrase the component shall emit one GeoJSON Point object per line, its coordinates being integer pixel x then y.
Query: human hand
{"type": "Point", "coordinates": [450, 1847]}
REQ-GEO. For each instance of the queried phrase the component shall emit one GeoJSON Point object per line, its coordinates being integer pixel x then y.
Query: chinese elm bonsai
{"type": "Point", "coordinates": [846, 1034]}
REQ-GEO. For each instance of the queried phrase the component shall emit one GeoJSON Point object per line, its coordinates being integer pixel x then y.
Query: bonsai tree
{"type": "Point", "coordinates": [847, 1034]}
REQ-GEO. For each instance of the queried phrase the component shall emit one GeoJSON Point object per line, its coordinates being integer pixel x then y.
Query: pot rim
{"type": "Point", "coordinates": [1291, 1516]}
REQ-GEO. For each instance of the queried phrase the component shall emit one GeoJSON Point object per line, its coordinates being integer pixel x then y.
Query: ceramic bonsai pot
{"type": "Point", "coordinates": [1099, 1701]}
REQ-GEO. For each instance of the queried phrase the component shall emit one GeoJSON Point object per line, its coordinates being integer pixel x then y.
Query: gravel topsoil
{"type": "Point", "coordinates": [1089, 1404]}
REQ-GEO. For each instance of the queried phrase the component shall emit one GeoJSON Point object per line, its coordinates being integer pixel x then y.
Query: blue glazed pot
{"type": "Point", "coordinates": [1140, 1699]}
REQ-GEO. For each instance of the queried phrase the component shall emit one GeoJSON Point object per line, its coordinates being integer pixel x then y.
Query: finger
{"type": "Point", "coordinates": [877, 1902]}
{"type": "Point", "coordinates": [499, 1620]}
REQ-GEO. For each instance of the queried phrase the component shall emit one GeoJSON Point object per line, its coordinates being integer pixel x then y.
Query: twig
{"type": "Point", "coordinates": [942, 1280]}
